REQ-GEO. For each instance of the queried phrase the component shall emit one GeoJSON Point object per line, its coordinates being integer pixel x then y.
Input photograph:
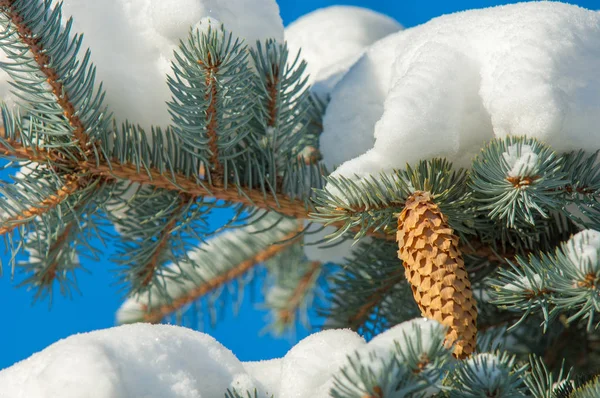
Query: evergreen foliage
{"type": "Point", "coordinates": [245, 135]}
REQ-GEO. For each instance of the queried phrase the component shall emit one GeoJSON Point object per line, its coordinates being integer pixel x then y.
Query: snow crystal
{"type": "Point", "coordinates": [307, 368]}
{"type": "Point", "coordinates": [132, 43]}
{"type": "Point", "coordinates": [332, 39]}
{"type": "Point", "coordinates": [129, 361]}
{"type": "Point", "coordinates": [446, 87]}
{"type": "Point", "coordinates": [521, 159]}
{"type": "Point", "coordinates": [582, 249]}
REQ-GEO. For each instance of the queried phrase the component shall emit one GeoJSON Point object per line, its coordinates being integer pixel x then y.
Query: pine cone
{"type": "Point", "coordinates": [436, 271]}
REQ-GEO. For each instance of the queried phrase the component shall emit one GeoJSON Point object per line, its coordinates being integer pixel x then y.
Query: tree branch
{"type": "Point", "coordinates": [49, 274]}
{"type": "Point", "coordinates": [155, 315]}
{"type": "Point", "coordinates": [273, 90]}
{"type": "Point", "coordinates": [189, 185]}
{"type": "Point", "coordinates": [43, 60]}
{"type": "Point", "coordinates": [70, 187]}
{"type": "Point", "coordinates": [287, 314]}
{"type": "Point", "coordinates": [149, 270]}
{"type": "Point", "coordinates": [212, 124]}
{"type": "Point", "coordinates": [374, 299]}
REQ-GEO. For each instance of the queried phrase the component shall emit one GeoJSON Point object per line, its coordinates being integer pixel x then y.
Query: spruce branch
{"type": "Point", "coordinates": [517, 178]}
{"type": "Point", "coordinates": [293, 285]}
{"type": "Point", "coordinates": [300, 292]}
{"type": "Point", "coordinates": [71, 185]}
{"type": "Point", "coordinates": [49, 68]}
{"type": "Point", "coordinates": [213, 264]}
{"type": "Point", "coordinates": [156, 315]}
{"type": "Point", "coordinates": [148, 271]}
{"type": "Point", "coordinates": [283, 100]}
{"type": "Point", "coordinates": [211, 68]}
{"type": "Point", "coordinates": [365, 290]}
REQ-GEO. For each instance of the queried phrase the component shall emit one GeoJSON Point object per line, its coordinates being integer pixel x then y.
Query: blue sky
{"type": "Point", "coordinates": [26, 329]}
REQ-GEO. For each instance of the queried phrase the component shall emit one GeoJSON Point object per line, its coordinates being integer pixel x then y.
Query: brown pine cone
{"type": "Point", "coordinates": [436, 271]}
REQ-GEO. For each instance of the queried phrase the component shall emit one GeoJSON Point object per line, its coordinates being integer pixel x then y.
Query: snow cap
{"type": "Point", "coordinates": [333, 38]}
{"type": "Point", "coordinates": [141, 360]}
{"type": "Point", "coordinates": [445, 88]}
{"type": "Point", "coordinates": [132, 44]}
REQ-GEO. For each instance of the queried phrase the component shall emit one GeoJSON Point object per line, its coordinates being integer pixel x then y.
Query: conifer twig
{"type": "Point", "coordinates": [70, 187]}
{"type": "Point", "coordinates": [48, 274]}
{"type": "Point", "coordinates": [155, 315]}
{"type": "Point", "coordinates": [52, 78]}
{"type": "Point", "coordinates": [147, 273]}
{"type": "Point", "coordinates": [211, 69]}
{"type": "Point", "coordinates": [272, 89]}
{"type": "Point", "coordinates": [287, 314]}
{"type": "Point", "coordinates": [374, 299]}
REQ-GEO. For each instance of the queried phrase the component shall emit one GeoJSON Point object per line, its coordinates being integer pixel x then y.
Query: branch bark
{"type": "Point", "coordinates": [70, 187]}
{"type": "Point", "coordinates": [43, 60]}
{"type": "Point", "coordinates": [155, 315]}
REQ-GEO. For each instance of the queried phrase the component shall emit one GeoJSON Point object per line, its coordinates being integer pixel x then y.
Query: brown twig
{"type": "Point", "coordinates": [374, 299]}
{"type": "Point", "coordinates": [52, 78]}
{"type": "Point", "coordinates": [147, 273]}
{"type": "Point", "coordinates": [286, 315]}
{"type": "Point", "coordinates": [212, 125]}
{"type": "Point", "coordinates": [273, 90]}
{"type": "Point", "coordinates": [155, 315]}
{"type": "Point", "coordinates": [49, 273]}
{"type": "Point", "coordinates": [70, 187]}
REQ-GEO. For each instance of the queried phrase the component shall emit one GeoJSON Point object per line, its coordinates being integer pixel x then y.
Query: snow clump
{"type": "Point", "coordinates": [132, 44]}
{"type": "Point", "coordinates": [331, 39]}
{"type": "Point", "coordinates": [521, 164]}
{"type": "Point", "coordinates": [164, 361]}
{"type": "Point", "coordinates": [445, 88]}
{"type": "Point", "coordinates": [583, 249]}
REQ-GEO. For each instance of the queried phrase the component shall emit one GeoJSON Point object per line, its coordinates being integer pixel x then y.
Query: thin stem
{"type": "Point", "coordinates": [49, 273]}
{"type": "Point", "coordinates": [155, 315]}
{"type": "Point", "coordinates": [286, 315]}
{"type": "Point", "coordinates": [70, 187]}
{"type": "Point", "coordinates": [150, 268]}
{"type": "Point", "coordinates": [273, 90]}
{"type": "Point", "coordinates": [43, 60]}
{"type": "Point", "coordinates": [374, 299]}
{"type": "Point", "coordinates": [212, 124]}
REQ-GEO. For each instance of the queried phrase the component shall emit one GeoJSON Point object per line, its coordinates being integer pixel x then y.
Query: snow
{"type": "Point", "coordinates": [406, 332]}
{"type": "Point", "coordinates": [332, 39]}
{"type": "Point", "coordinates": [525, 283]}
{"type": "Point", "coordinates": [151, 361]}
{"type": "Point", "coordinates": [445, 88]}
{"type": "Point", "coordinates": [318, 248]}
{"type": "Point", "coordinates": [487, 368]}
{"type": "Point", "coordinates": [521, 159]}
{"type": "Point", "coordinates": [583, 250]}
{"type": "Point", "coordinates": [165, 361]}
{"type": "Point", "coordinates": [267, 373]}
{"type": "Point", "coordinates": [132, 43]}
{"type": "Point", "coordinates": [307, 368]}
